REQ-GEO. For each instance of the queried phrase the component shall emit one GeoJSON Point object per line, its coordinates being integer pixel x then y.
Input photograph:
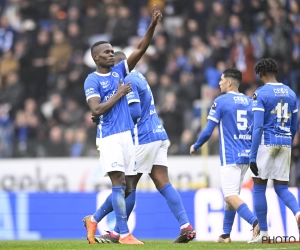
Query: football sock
{"type": "Point", "coordinates": [260, 205]}
{"type": "Point", "coordinates": [119, 206]}
{"type": "Point", "coordinates": [175, 204]}
{"type": "Point", "coordinates": [228, 222]}
{"type": "Point", "coordinates": [287, 197]}
{"type": "Point", "coordinates": [105, 209]}
{"type": "Point", "coordinates": [246, 214]}
{"type": "Point", "coordinates": [130, 201]}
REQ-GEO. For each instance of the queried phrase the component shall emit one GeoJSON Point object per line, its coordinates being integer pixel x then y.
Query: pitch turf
{"type": "Point", "coordinates": [149, 245]}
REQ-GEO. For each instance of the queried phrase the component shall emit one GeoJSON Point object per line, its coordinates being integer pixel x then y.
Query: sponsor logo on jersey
{"type": "Point", "coordinates": [159, 129]}
{"type": "Point", "coordinates": [115, 74]}
{"type": "Point", "coordinates": [89, 91]}
{"type": "Point", "coordinates": [241, 100]}
{"type": "Point", "coordinates": [111, 95]}
{"type": "Point", "coordinates": [104, 84]}
{"type": "Point", "coordinates": [244, 153]}
{"type": "Point", "coordinates": [254, 103]}
{"type": "Point", "coordinates": [214, 105]}
{"type": "Point", "coordinates": [281, 92]}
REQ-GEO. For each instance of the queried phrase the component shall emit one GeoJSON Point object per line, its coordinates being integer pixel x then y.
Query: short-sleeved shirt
{"type": "Point", "coordinates": [118, 118]}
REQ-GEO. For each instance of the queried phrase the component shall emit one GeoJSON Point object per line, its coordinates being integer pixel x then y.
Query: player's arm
{"type": "Point", "coordinates": [98, 108]}
{"type": "Point", "coordinates": [294, 124]}
{"type": "Point", "coordinates": [258, 124]}
{"type": "Point", "coordinates": [135, 111]}
{"type": "Point", "coordinates": [204, 136]}
{"type": "Point", "coordinates": [145, 41]}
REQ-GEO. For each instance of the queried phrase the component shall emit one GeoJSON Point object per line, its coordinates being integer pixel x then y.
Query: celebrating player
{"type": "Point", "coordinates": [275, 122]}
{"type": "Point", "coordinates": [151, 146]}
{"type": "Point", "coordinates": [105, 95]}
{"type": "Point", "coordinates": [232, 113]}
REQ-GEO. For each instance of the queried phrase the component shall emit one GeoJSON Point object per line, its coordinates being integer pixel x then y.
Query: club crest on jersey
{"type": "Point", "coordinates": [115, 74]}
{"type": "Point", "coordinates": [254, 97]}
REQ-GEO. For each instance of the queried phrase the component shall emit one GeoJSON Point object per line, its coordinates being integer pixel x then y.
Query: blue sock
{"type": "Point", "coordinates": [260, 205]}
{"type": "Point", "coordinates": [104, 210]}
{"type": "Point", "coordinates": [175, 204]}
{"type": "Point", "coordinates": [246, 214]}
{"type": "Point", "coordinates": [228, 221]}
{"type": "Point", "coordinates": [287, 197]}
{"type": "Point", "coordinates": [130, 201]}
{"type": "Point", "coordinates": [118, 203]}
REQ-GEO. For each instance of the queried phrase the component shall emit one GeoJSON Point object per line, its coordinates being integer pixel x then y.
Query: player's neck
{"type": "Point", "coordinates": [102, 70]}
{"type": "Point", "coordinates": [235, 90]}
{"type": "Point", "coordinates": [269, 79]}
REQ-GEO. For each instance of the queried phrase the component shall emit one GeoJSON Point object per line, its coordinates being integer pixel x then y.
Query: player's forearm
{"type": "Point", "coordinates": [145, 41]}
{"type": "Point", "coordinates": [205, 135]}
{"type": "Point", "coordinates": [258, 125]}
{"type": "Point", "coordinates": [103, 107]}
{"type": "Point", "coordinates": [256, 139]}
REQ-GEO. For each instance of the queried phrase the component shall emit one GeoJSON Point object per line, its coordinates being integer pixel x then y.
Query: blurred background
{"type": "Point", "coordinates": [44, 60]}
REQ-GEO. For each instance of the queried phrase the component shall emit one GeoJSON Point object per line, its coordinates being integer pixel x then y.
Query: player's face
{"type": "Point", "coordinates": [105, 56]}
{"type": "Point", "coordinates": [223, 84]}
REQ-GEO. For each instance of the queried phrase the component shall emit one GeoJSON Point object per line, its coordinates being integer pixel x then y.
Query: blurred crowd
{"type": "Point", "coordinates": [45, 58]}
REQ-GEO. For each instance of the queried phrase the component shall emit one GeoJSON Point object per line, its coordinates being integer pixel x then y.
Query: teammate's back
{"type": "Point", "coordinates": [233, 113]}
{"type": "Point", "coordinates": [278, 102]}
{"type": "Point", "coordinates": [148, 127]}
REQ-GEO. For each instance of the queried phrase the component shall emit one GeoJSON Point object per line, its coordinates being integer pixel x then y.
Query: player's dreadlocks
{"type": "Point", "coordinates": [265, 66]}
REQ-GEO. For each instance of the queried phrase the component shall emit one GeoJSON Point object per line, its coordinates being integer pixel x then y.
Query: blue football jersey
{"type": "Point", "coordinates": [232, 112]}
{"type": "Point", "coordinates": [278, 102]}
{"type": "Point", "coordinates": [118, 118]}
{"type": "Point", "coordinates": [148, 127]}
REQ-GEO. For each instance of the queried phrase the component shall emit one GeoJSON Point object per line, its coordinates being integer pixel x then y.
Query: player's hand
{"type": "Point", "coordinates": [96, 119]}
{"type": "Point", "coordinates": [156, 15]}
{"type": "Point", "coordinates": [254, 169]}
{"type": "Point", "coordinates": [192, 150]}
{"type": "Point", "coordinates": [124, 89]}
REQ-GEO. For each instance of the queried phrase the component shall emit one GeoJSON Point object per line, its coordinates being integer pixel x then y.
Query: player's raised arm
{"type": "Point", "coordinates": [145, 41]}
{"type": "Point", "coordinates": [99, 108]}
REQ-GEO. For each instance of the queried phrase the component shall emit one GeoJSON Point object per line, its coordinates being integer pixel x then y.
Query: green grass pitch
{"type": "Point", "coordinates": [149, 245]}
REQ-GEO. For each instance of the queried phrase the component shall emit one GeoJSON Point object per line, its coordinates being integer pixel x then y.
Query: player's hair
{"type": "Point", "coordinates": [233, 73]}
{"type": "Point", "coordinates": [96, 44]}
{"type": "Point", "coordinates": [119, 56]}
{"type": "Point", "coordinates": [266, 66]}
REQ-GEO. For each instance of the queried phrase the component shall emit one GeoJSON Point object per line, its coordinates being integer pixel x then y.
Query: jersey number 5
{"type": "Point", "coordinates": [242, 122]}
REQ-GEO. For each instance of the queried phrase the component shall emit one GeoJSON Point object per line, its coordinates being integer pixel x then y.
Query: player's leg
{"type": "Point", "coordinates": [281, 175]}
{"type": "Point", "coordinates": [231, 181]}
{"type": "Point", "coordinates": [130, 170]}
{"type": "Point", "coordinates": [265, 165]}
{"type": "Point", "coordinates": [160, 177]}
{"type": "Point", "coordinates": [261, 208]}
{"type": "Point", "coordinates": [228, 220]}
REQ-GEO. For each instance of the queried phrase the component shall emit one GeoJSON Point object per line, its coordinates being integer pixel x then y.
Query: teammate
{"type": "Point", "coordinates": [232, 113]}
{"type": "Point", "coordinates": [275, 122]}
{"type": "Point", "coordinates": [151, 146]}
{"type": "Point", "coordinates": [105, 95]}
